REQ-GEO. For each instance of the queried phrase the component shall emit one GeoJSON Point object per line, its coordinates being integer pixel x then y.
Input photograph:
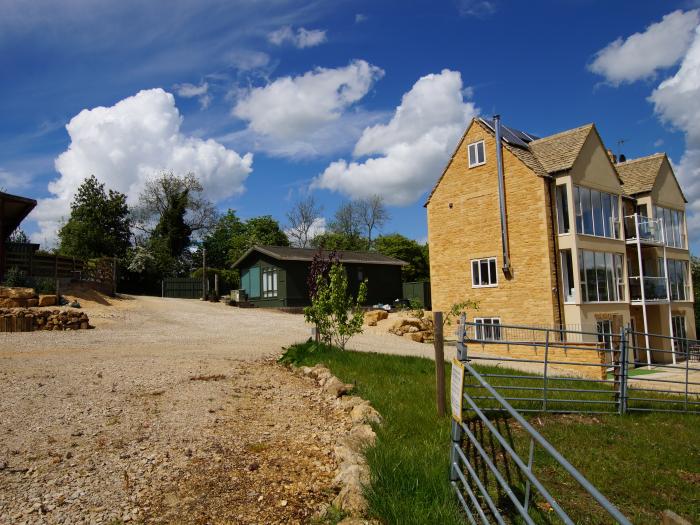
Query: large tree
{"type": "Point", "coordinates": [372, 214]}
{"type": "Point", "coordinates": [414, 253]}
{"type": "Point", "coordinates": [99, 223]}
{"type": "Point", "coordinates": [263, 230]}
{"type": "Point", "coordinates": [302, 218]}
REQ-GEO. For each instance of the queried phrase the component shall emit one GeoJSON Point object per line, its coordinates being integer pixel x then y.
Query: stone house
{"type": "Point", "coordinates": [555, 231]}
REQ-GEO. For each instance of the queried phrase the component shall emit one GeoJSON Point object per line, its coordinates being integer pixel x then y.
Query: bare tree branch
{"type": "Point", "coordinates": [302, 218]}
{"type": "Point", "coordinates": [372, 214]}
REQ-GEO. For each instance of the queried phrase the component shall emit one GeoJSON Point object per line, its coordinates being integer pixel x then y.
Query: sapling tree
{"type": "Point", "coordinates": [336, 313]}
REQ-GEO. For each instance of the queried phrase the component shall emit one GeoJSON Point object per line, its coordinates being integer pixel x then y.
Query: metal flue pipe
{"type": "Point", "coordinates": [502, 195]}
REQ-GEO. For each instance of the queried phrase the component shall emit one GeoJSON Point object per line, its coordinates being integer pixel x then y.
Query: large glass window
{"type": "Point", "coordinates": [269, 282]}
{"type": "Point", "coordinates": [597, 213]}
{"type": "Point", "coordinates": [673, 227]}
{"type": "Point", "coordinates": [562, 210]}
{"type": "Point", "coordinates": [567, 276]}
{"type": "Point", "coordinates": [484, 272]}
{"type": "Point", "coordinates": [677, 278]}
{"type": "Point", "coordinates": [601, 276]}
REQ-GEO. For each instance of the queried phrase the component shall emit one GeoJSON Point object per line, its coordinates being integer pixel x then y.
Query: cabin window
{"type": "Point", "coordinates": [562, 210]}
{"type": "Point", "coordinates": [477, 154]}
{"type": "Point", "coordinates": [601, 277]}
{"type": "Point", "coordinates": [488, 328]}
{"type": "Point", "coordinates": [269, 282]}
{"type": "Point", "coordinates": [484, 273]}
{"type": "Point", "coordinates": [597, 213]}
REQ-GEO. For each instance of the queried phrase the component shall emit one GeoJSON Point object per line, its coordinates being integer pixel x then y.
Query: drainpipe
{"type": "Point", "coordinates": [502, 196]}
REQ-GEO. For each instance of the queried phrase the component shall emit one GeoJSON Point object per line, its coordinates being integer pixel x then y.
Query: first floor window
{"type": "Point", "coordinates": [601, 277]}
{"type": "Point", "coordinates": [477, 155]}
{"type": "Point", "coordinates": [488, 328]}
{"type": "Point", "coordinates": [269, 282]}
{"type": "Point", "coordinates": [680, 341]}
{"type": "Point", "coordinates": [484, 272]}
{"type": "Point", "coordinates": [562, 210]}
{"type": "Point", "coordinates": [597, 212]}
{"type": "Point", "coordinates": [567, 276]}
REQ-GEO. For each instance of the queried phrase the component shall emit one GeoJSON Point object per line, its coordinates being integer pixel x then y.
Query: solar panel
{"type": "Point", "coordinates": [512, 136]}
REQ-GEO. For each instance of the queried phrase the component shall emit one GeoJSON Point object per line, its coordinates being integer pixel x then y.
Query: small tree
{"type": "Point", "coordinates": [337, 315]}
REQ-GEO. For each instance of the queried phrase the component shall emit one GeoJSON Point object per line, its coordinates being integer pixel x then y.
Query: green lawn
{"type": "Point", "coordinates": [643, 463]}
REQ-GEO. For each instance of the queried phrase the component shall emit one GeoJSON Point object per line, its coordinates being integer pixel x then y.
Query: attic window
{"type": "Point", "coordinates": [477, 154]}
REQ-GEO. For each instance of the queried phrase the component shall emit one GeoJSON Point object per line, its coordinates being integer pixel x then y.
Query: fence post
{"type": "Point", "coordinates": [621, 377]}
{"type": "Point", "coordinates": [204, 274]}
{"type": "Point", "coordinates": [546, 364]}
{"type": "Point", "coordinates": [439, 345]}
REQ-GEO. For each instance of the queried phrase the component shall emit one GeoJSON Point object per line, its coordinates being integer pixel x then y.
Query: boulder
{"type": "Point", "coordinates": [418, 337]}
{"type": "Point", "coordinates": [373, 317]}
{"type": "Point", "coordinates": [336, 387]}
{"type": "Point", "coordinates": [359, 437]}
{"type": "Point", "coordinates": [365, 413]}
{"type": "Point", "coordinates": [32, 302]}
{"type": "Point", "coordinates": [16, 293]}
{"type": "Point", "coordinates": [48, 300]}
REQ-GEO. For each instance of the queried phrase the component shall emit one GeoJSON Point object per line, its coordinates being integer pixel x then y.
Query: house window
{"type": "Point", "coordinates": [562, 210]}
{"type": "Point", "coordinates": [567, 276]}
{"type": "Point", "coordinates": [477, 154]}
{"type": "Point", "coordinates": [597, 213]}
{"type": "Point", "coordinates": [680, 343]}
{"type": "Point", "coordinates": [488, 328]}
{"type": "Point", "coordinates": [484, 273]}
{"type": "Point", "coordinates": [269, 278]}
{"type": "Point", "coordinates": [605, 336]}
{"type": "Point", "coordinates": [677, 278]}
{"type": "Point", "coordinates": [673, 226]}
{"type": "Point", "coordinates": [601, 277]}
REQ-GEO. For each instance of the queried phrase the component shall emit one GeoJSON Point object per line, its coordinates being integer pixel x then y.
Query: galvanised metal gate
{"type": "Point", "coordinates": [541, 369]}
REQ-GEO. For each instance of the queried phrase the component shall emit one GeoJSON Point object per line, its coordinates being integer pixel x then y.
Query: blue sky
{"type": "Point", "coordinates": [274, 99]}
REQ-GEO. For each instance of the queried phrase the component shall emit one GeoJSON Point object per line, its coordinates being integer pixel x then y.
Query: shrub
{"type": "Point", "coordinates": [14, 277]}
{"type": "Point", "coordinates": [337, 315]}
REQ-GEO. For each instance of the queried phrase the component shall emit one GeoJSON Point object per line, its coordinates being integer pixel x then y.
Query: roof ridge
{"type": "Point", "coordinates": [638, 159]}
{"type": "Point", "coordinates": [565, 132]}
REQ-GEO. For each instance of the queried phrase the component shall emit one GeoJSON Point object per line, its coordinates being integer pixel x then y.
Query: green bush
{"type": "Point", "coordinates": [14, 277]}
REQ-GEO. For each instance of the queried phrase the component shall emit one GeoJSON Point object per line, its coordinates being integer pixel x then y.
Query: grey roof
{"type": "Point", "coordinates": [14, 209]}
{"type": "Point", "coordinates": [289, 253]}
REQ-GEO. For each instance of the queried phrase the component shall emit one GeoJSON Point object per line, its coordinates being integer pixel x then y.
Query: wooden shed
{"type": "Point", "coordinates": [13, 210]}
{"type": "Point", "coordinates": [276, 276]}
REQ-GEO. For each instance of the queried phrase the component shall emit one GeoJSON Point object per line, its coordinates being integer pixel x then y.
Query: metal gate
{"type": "Point", "coordinates": [182, 288]}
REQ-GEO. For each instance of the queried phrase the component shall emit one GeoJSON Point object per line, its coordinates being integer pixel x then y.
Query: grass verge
{"type": "Point", "coordinates": [642, 463]}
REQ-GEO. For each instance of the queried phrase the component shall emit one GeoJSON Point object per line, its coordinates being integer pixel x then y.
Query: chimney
{"type": "Point", "coordinates": [612, 156]}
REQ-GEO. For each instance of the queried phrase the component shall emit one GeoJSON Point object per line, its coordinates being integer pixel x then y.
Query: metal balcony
{"type": "Point", "coordinates": [649, 231]}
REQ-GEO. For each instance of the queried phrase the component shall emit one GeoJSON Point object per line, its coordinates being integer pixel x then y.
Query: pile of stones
{"type": "Point", "coordinates": [30, 319]}
{"type": "Point", "coordinates": [419, 330]}
{"type": "Point", "coordinates": [11, 297]}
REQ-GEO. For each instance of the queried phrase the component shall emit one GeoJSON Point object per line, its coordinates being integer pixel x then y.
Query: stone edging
{"type": "Point", "coordinates": [352, 473]}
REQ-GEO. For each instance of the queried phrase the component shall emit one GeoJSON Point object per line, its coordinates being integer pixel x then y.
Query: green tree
{"type": "Point", "coordinates": [263, 231]}
{"type": "Point", "coordinates": [338, 241]}
{"type": "Point", "coordinates": [335, 313]}
{"type": "Point", "coordinates": [18, 236]}
{"type": "Point", "coordinates": [99, 223]}
{"type": "Point", "coordinates": [414, 253]}
{"type": "Point", "coordinates": [221, 239]}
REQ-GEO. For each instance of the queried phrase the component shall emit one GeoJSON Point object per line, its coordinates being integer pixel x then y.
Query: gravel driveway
{"type": "Point", "coordinates": [170, 410]}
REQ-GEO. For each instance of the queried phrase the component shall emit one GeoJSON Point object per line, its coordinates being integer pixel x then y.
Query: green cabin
{"type": "Point", "coordinates": [276, 276]}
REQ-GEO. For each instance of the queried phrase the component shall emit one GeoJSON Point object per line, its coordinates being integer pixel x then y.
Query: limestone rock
{"type": "Point", "coordinates": [365, 413]}
{"type": "Point", "coordinates": [359, 438]}
{"type": "Point", "coordinates": [336, 387]}
{"type": "Point", "coordinates": [16, 293]}
{"type": "Point", "coordinates": [47, 300]}
{"type": "Point", "coordinates": [371, 318]}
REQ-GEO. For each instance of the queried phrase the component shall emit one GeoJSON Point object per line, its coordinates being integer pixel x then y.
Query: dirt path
{"type": "Point", "coordinates": [170, 411]}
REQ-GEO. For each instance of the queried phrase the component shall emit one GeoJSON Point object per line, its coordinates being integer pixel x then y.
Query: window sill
{"type": "Point", "coordinates": [485, 286]}
{"type": "Point", "coordinates": [477, 165]}
{"type": "Point", "coordinates": [592, 236]}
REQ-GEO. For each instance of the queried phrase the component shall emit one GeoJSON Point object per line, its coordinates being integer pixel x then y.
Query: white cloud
{"type": "Point", "coordinates": [125, 144]}
{"type": "Point", "coordinates": [301, 38]}
{"type": "Point", "coordinates": [677, 102]}
{"type": "Point", "coordinates": [293, 116]}
{"type": "Point", "coordinates": [201, 92]}
{"type": "Point", "coordinates": [476, 8]}
{"type": "Point", "coordinates": [641, 55]}
{"type": "Point", "coordinates": [411, 149]}
{"type": "Point", "coordinates": [247, 60]}
{"type": "Point", "coordinates": [359, 18]}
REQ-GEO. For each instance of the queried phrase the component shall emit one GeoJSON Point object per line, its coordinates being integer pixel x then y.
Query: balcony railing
{"type": "Point", "coordinates": [650, 230]}
{"type": "Point", "coordinates": [654, 289]}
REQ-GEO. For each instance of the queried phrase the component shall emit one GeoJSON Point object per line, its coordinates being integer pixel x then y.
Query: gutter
{"type": "Point", "coordinates": [507, 270]}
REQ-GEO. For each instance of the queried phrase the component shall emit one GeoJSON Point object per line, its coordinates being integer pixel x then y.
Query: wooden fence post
{"type": "Point", "coordinates": [204, 274]}
{"type": "Point", "coordinates": [439, 343]}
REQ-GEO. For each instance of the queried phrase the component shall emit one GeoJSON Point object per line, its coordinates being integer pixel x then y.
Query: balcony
{"type": "Point", "coordinates": [650, 231]}
{"type": "Point", "coordinates": [655, 289]}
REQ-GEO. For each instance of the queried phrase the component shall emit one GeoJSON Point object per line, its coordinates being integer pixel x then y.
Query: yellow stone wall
{"type": "Point", "coordinates": [464, 224]}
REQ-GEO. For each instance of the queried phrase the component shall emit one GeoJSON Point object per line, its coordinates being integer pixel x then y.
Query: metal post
{"type": "Point", "coordinates": [216, 284]}
{"type": "Point", "coordinates": [530, 459]}
{"type": "Point", "coordinates": [162, 288]}
{"type": "Point", "coordinates": [687, 371]}
{"type": "Point", "coordinates": [204, 274]}
{"type": "Point", "coordinates": [668, 292]}
{"type": "Point", "coordinates": [461, 335]}
{"type": "Point", "coordinates": [641, 288]}
{"type": "Point", "coordinates": [544, 380]}
{"type": "Point", "coordinates": [455, 446]}
{"type": "Point", "coordinates": [438, 343]}
{"type": "Point", "coordinates": [621, 373]}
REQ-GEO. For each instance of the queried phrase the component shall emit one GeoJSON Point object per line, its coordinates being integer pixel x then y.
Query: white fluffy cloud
{"type": "Point", "coordinates": [125, 144]}
{"type": "Point", "coordinates": [291, 115]}
{"type": "Point", "coordinates": [301, 38]}
{"type": "Point", "coordinates": [677, 102]}
{"type": "Point", "coordinates": [640, 55]}
{"type": "Point", "coordinates": [411, 149]}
